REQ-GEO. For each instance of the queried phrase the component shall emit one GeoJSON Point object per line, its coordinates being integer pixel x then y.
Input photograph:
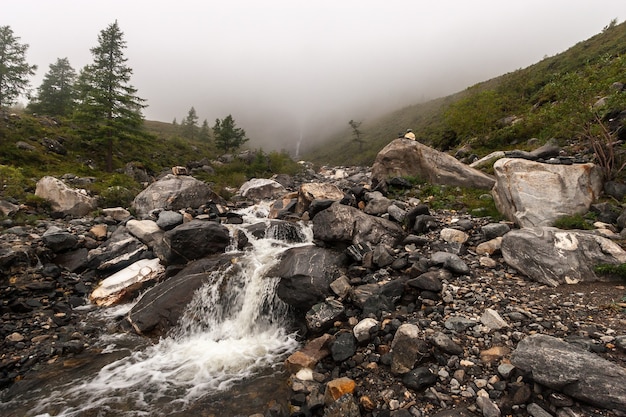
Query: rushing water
{"type": "Point", "coordinates": [233, 331]}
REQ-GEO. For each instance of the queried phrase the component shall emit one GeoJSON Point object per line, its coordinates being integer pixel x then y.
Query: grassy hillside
{"type": "Point", "coordinates": [34, 146]}
{"type": "Point", "coordinates": [550, 99]}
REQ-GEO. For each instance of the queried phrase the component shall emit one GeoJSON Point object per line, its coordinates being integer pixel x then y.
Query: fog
{"type": "Point", "coordinates": [287, 70]}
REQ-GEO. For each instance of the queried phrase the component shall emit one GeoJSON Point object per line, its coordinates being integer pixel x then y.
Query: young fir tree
{"type": "Point", "coordinates": [14, 70]}
{"type": "Point", "coordinates": [227, 136]}
{"type": "Point", "coordinates": [55, 95]}
{"type": "Point", "coordinates": [205, 131]}
{"type": "Point", "coordinates": [357, 133]}
{"type": "Point", "coordinates": [190, 124]}
{"type": "Point", "coordinates": [108, 109]}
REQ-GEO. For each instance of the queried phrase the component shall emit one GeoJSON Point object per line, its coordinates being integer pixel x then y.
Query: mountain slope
{"type": "Point", "coordinates": [550, 99]}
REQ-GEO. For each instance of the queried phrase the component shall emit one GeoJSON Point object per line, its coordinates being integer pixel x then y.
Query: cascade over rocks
{"type": "Point", "coordinates": [408, 158]}
{"type": "Point", "coordinates": [536, 194]}
{"type": "Point", "coordinates": [161, 307]}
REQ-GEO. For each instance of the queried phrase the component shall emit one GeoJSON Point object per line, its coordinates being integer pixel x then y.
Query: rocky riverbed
{"type": "Point", "coordinates": [401, 331]}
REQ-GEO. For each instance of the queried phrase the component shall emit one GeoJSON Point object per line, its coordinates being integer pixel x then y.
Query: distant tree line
{"type": "Point", "coordinates": [225, 134]}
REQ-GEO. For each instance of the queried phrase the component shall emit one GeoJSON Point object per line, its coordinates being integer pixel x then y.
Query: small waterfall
{"type": "Point", "coordinates": [231, 330]}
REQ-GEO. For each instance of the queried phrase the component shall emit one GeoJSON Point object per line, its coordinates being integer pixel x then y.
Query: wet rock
{"type": "Point", "coordinates": [419, 379]}
{"type": "Point", "coordinates": [194, 240]}
{"type": "Point", "coordinates": [343, 347]}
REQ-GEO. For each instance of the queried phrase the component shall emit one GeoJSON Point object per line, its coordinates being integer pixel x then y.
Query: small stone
{"type": "Point", "coordinates": [15, 337]}
{"type": "Point", "coordinates": [337, 388]}
{"type": "Point", "coordinates": [488, 407]}
{"type": "Point", "coordinates": [505, 370]}
{"type": "Point", "coordinates": [493, 354]}
{"type": "Point", "coordinates": [492, 319]}
{"type": "Point", "coordinates": [536, 411]}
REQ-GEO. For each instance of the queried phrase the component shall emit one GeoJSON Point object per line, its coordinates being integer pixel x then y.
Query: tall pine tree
{"type": "Point", "coordinates": [14, 70]}
{"type": "Point", "coordinates": [108, 108]}
{"type": "Point", "coordinates": [55, 95]}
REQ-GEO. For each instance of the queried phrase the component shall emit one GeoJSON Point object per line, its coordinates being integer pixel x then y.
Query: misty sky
{"type": "Point", "coordinates": [286, 69]}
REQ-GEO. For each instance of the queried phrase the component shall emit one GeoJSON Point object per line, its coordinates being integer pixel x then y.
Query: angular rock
{"type": "Point", "coordinates": [343, 347]}
{"type": "Point", "coordinates": [419, 379]}
{"type": "Point", "coordinates": [573, 371]}
{"type": "Point", "coordinates": [121, 250]}
{"type": "Point", "coordinates": [145, 230]}
{"type": "Point", "coordinates": [446, 344]}
{"type": "Point", "coordinates": [169, 219]}
{"type": "Point", "coordinates": [59, 240]}
{"type": "Point", "coordinates": [194, 240]}
{"type": "Point", "coordinates": [411, 158]}
{"type": "Point", "coordinates": [316, 191]}
{"type": "Point", "coordinates": [127, 282]}
{"type": "Point", "coordinates": [323, 315]}
{"type": "Point", "coordinates": [305, 275]}
{"type": "Point", "coordinates": [116, 213]}
{"type": "Point", "coordinates": [341, 223]}
{"type": "Point", "coordinates": [64, 199]}
{"type": "Point", "coordinates": [536, 194]}
{"type": "Point", "coordinates": [553, 256]}
{"type": "Point", "coordinates": [492, 320]}
{"type": "Point", "coordinates": [451, 262]}
{"type": "Point", "coordinates": [261, 189]}
{"type": "Point", "coordinates": [407, 349]}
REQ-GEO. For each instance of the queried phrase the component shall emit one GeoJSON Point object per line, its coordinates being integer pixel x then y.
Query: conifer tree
{"type": "Point", "coordinates": [227, 136]}
{"type": "Point", "coordinates": [108, 108]}
{"type": "Point", "coordinates": [14, 70]}
{"type": "Point", "coordinates": [55, 95]}
{"type": "Point", "coordinates": [205, 131]}
{"type": "Point", "coordinates": [190, 124]}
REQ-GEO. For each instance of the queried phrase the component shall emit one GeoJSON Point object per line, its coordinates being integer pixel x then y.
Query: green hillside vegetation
{"type": "Point", "coordinates": [28, 151]}
{"type": "Point", "coordinates": [550, 99]}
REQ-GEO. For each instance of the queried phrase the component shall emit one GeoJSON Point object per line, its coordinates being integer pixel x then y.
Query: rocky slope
{"type": "Point", "coordinates": [414, 322]}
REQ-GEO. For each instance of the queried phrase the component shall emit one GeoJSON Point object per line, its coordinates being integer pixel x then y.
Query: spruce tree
{"type": "Point", "coordinates": [108, 109]}
{"type": "Point", "coordinates": [205, 131]}
{"type": "Point", "coordinates": [55, 96]}
{"type": "Point", "coordinates": [190, 124]}
{"type": "Point", "coordinates": [227, 135]}
{"type": "Point", "coordinates": [14, 70]}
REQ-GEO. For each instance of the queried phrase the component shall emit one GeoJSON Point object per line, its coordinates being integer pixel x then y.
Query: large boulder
{"type": "Point", "coordinates": [65, 199]}
{"type": "Point", "coordinates": [536, 194]}
{"type": "Point", "coordinates": [402, 158]}
{"type": "Point", "coordinates": [305, 274]}
{"type": "Point", "coordinates": [261, 189]}
{"type": "Point", "coordinates": [573, 371]}
{"type": "Point", "coordinates": [174, 192]}
{"type": "Point", "coordinates": [341, 223]}
{"type": "Point", "coordinates": [193, 240]}
{"type": "Point", "coordinates": [309, 192]}
{"type": "Point", "coordinates": [162, 306]}
{"type": "Point", "coordinates": [554, 256]}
